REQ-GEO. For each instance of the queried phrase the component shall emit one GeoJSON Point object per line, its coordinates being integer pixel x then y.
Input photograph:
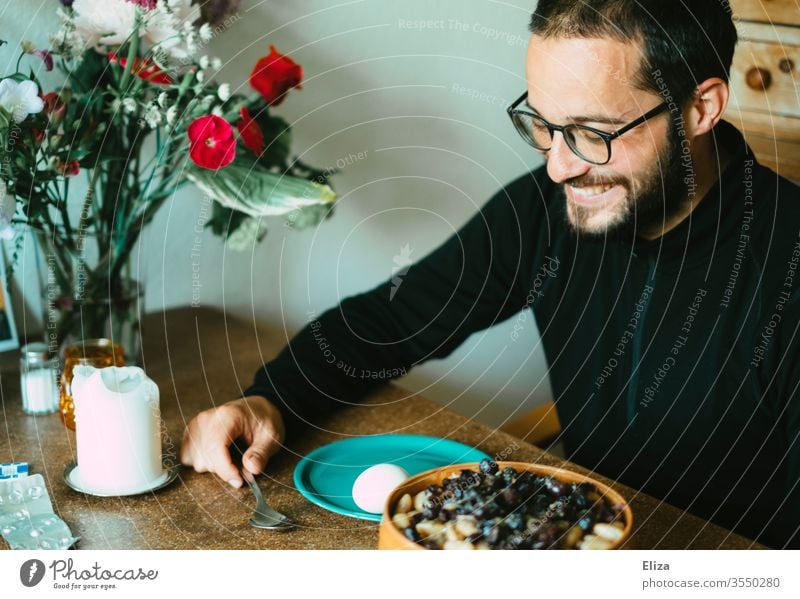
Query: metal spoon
{"type": "Point", "coordinates": [264, 516]}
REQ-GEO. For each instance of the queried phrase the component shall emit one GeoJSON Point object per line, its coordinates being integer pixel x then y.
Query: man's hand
{"type": "Point", "coordinates": [209, 435]}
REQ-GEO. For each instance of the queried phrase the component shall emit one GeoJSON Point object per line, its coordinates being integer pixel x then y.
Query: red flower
{"type": "Point", "coordinates": [54, 107]}
{"type": "Point", "coordinates": [274, 75]}
{"type": "Point", "coordinates": [145, 4]}
{"type": "Point", "coordinates": [69, 169]}
{"type": "Point", "coordinates": [252, 136]}
{"type": "Point", "coordinates": [47, 58]}
{"type": "Point", "coordinates": [144, 69]}
{"type": "Point", "coordinates": [213, 145]}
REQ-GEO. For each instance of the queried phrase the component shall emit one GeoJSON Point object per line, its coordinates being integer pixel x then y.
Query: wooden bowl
{"type": "Point", "coordinates": [390, 537]}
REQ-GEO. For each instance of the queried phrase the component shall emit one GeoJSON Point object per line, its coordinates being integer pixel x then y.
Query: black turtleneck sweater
{"type": "Point", "coordinates": [673, 362]}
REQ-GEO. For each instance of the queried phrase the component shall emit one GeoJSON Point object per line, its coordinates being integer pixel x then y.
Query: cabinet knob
{"type": "Point", "coordinates": [758, 79]}
{"type": "Point", "coordinates": [786, 65]}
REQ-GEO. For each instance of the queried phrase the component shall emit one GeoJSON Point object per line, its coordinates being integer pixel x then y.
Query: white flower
{"type": "Point", "coordinates": [217, 111]}
{"type": "Point", "coordinates": [205, 32]}
{"type": "Point", "coordinates": [152, 116]}
{"type": "Point", "coordinates": [67, 42]}
{"type": "Point", "coordinates": [250, 232]}
{"type": "Point", "coordinates": [20, 99]}
{"type": "Point", "coordinates": [224, 92]}
{"type": "Point", "coordinates": [129, 105]}
{"type": "Point", "coordinates": [203, 62]}
{"type": "Point", "coordinates": [191, 43]}
{"type": "Point", "coordinates": [168, 26]}
{"type": "Point", "coordinates": [216, 63]}
{"type": "Point", "coordinates": [199, 76]}
{"type": "Point", "coordinates": [8, 205]}
{"type": "Point", "coordinates": [172, 114]}
{"type": "Point", "coordinates": [162, 99]}
{"type": "Point", "coordinates": [104, 22]}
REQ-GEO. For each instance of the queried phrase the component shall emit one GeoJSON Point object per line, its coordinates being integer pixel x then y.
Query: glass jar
{"type": "Point", "coordinates": [38, 377]}
{"type": "Point", "coordinates": [90, 352]}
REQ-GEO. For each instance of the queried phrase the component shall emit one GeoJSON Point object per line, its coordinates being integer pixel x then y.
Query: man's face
{"type": "Point", "coordinates": [590, 82]}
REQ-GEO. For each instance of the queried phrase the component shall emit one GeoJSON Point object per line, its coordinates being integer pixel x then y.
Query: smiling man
{"type": "Point", "coordinates": [670, 313]}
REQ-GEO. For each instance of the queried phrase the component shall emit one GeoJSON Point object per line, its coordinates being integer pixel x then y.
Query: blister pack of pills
{"type": "Point", "coordinates": [27, 520]}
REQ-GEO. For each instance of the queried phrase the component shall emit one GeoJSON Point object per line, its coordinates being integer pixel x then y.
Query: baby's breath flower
{"type": "Point", "coordinates": [205, 32]}
{"type": "Point", "coordinates": [204, 62]}
{"type": "Point", "coordinates": [216, 63]}
{"type": "Point", "coordinates": [129, 105]}
{"type": "Point", "coordinates": [200, 76]}
{"type": "Point", "coordinates": [224, 92]}
{"type": "Point", "coordinates": [152, 116]}
{"type": "Point", "coordinates": [172, 115]}
{"type": "Point", "coordinates": [191, 42]}
{"type": "Point", "coordinates": [162, 99]}
{"type": "Point", "coordinates": [217, 111]}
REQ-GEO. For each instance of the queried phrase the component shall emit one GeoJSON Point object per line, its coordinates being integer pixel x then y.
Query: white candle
{"type": "Point", "coordinates": [39, 391]}
{"type": "Point", "coordinates": [117, 425]}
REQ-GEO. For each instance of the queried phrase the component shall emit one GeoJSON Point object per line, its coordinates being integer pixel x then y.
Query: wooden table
{"type": "Point", "coordinates": [200, 358]}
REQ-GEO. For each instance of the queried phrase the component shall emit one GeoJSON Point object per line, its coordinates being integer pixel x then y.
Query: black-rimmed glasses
{"type": "Point", "coordinates": [588, 143]}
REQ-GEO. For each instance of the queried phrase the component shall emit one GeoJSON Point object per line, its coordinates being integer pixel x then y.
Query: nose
{"type": "Point", "coordinates": [562, 163]}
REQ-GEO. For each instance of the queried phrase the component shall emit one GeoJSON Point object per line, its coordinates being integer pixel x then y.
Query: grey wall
{"type": "Point", "coordinates": [415, 114]}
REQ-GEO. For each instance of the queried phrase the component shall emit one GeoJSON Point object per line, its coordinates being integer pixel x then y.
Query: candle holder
{"type": "Point", "coordinates": [99, 353]}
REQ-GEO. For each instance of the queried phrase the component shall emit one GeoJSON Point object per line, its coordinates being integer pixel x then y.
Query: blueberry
{"type": "Point", "coordinates": [412, 534]}
{"type": "Point", "coordinates": [488, 466]}
{"type": "Point", "coordinates": [511, 497]}
{"type": "Point", "coordinates": [508, 474]}
{"type": "Point", "coordinates": [515, 521]}
{"type": "Point", "coordinates": [586, 522]}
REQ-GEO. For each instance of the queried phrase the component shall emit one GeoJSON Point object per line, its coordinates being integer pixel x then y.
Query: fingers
{"type": "Point", "coordinates": [208, 437]}
{"type": "Point", "coordinates": [206, 443]}
{"type": "Point", "coordinates": [264, 445]}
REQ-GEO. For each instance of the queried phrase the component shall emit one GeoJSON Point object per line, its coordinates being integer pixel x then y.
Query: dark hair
{"type": "Point", "coordinates": [687, 41]}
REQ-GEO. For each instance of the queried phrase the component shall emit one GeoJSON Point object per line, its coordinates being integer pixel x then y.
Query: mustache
{"type": "Point", "coordinates": [587, 182]}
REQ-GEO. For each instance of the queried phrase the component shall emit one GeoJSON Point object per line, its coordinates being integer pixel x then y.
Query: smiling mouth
{"type": "Point", "coordinates": [590, 194]}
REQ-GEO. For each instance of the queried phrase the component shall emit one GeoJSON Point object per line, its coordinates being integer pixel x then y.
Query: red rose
{"type": "Point", "coordinates": [252, 136]}
{"type": "Point", "coordinates": [143, 69]}
{"type": "Point", "coordinates": [274, 75]}
{"type": "Point", "coordinates": [69, 169]}
{"type": "Point", "coordinates": [213, 145]}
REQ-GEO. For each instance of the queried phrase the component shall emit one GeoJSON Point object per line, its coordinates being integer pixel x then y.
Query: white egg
{"type": "Point", "coordinates": [373, 486]}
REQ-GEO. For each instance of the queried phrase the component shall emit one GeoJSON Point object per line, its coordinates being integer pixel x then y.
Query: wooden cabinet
{"type": "Point", "coordinates": [765, 81]}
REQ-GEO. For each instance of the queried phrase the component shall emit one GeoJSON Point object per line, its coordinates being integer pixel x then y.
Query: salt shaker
{"type": "Point", "coordinates": [38, 370]}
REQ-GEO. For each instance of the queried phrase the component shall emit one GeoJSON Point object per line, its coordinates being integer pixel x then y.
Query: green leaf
{"type": "Point", "coordinates": [224, 221]}
{"type": "Point", "coordinates": [256, 191]}
{"type": "Point", "coordinates": [311, 216]}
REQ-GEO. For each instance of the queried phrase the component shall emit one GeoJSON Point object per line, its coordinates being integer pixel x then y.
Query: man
{"type": "Point", "coordinates": [670, 322]}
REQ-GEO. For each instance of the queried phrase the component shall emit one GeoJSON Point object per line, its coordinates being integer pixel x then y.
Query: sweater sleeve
{"type": "Point", "coordinates": [784, 528]}
{"type": "Point", "coordinates": [476, 278]}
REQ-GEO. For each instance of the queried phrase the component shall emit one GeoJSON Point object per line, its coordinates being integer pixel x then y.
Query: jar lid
{"type": "Point", "coordinates": [38, 350]}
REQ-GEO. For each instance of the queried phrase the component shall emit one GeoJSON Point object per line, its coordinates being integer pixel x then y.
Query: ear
{"type": "Point", "coordinates": [706, 106]}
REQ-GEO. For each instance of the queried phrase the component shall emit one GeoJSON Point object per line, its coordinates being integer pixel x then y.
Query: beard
{"type": "Point", "coordinates": [650, 200]}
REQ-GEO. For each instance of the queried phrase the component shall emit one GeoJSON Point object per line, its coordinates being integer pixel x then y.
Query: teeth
{"type": "Point", "coordinates": [591, 190]}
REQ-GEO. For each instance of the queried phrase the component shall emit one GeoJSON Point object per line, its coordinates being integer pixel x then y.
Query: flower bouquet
{"type": "Point", "coordinates": [137, 117]}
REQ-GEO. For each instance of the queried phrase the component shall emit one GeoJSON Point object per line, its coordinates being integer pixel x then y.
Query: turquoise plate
{"type": "Point", "coordinates": [326, 475]}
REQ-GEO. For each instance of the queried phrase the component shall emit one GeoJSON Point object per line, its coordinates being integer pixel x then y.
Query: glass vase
{"type": "Point", "coordinates": [84, 297]}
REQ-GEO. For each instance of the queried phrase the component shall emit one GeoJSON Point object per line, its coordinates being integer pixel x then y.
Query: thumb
{"type": "Point", "coordinates": [256, 456]}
